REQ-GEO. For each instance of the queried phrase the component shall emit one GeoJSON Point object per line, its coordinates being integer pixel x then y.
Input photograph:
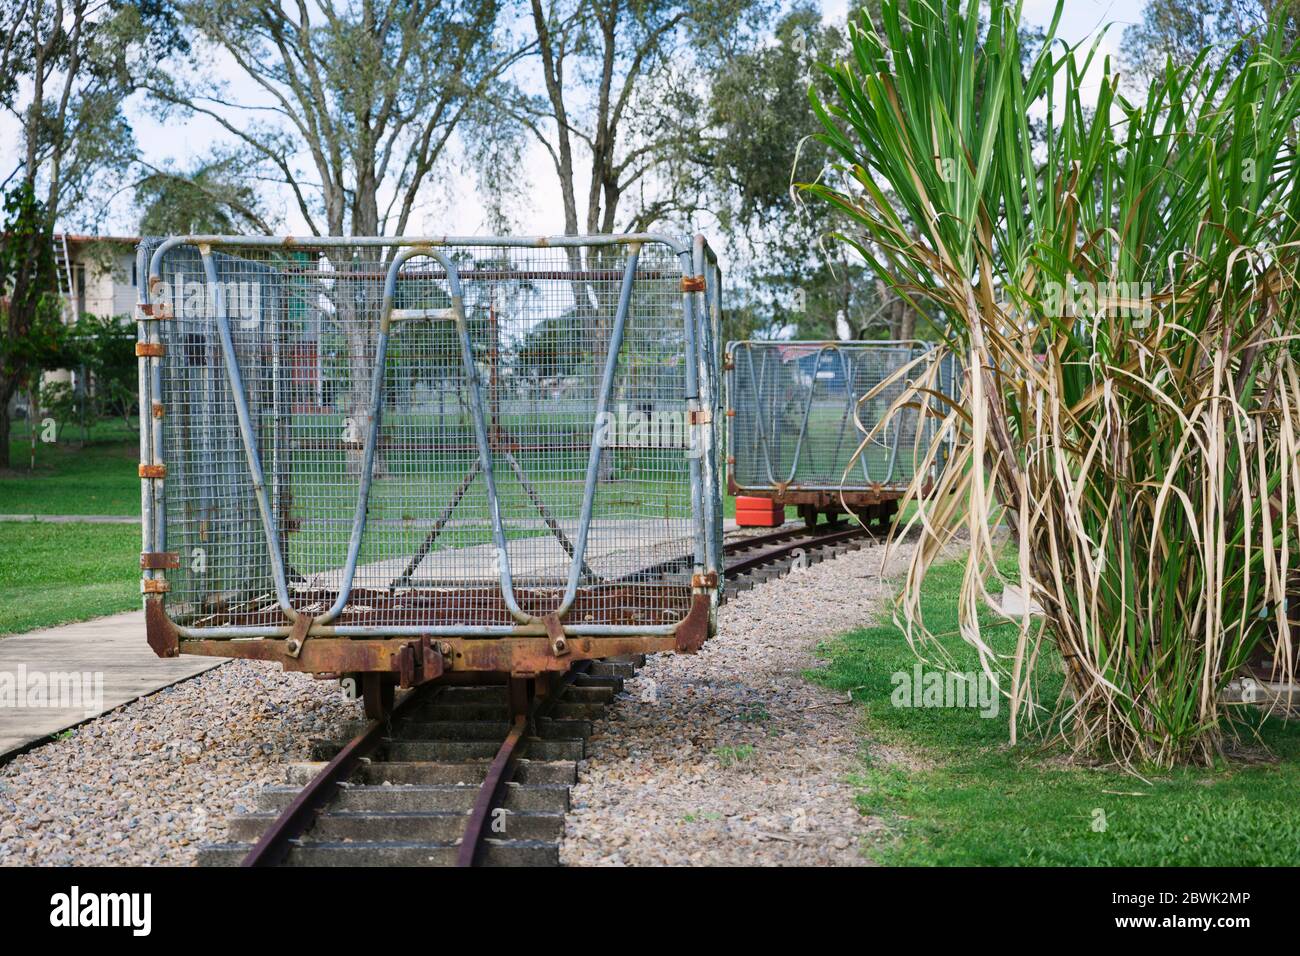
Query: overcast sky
{"type": "Point", "coordinates": [450, 207]}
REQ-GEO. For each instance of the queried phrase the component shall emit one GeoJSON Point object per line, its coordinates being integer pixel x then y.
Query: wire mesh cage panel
{"type": "Point", "coordinates": [793, 425]}
{"type": "Point", "coordinates": [428, 436]}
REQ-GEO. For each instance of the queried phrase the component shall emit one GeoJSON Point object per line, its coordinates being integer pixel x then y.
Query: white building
{"type": "Point", "coordinates": [97, 275]}
{"type": "Point", "coordinates": [102, 272]}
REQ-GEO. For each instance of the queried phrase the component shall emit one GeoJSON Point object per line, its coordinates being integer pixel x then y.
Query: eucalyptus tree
{"type": "Point", "coordinates": [760, 139]}
{"type": "Point", "coordinates": [620, 95]}
{"type": "Point", "coordinates": [351, 105]}
{"type": "Point", "coordinates": [1179, 30]}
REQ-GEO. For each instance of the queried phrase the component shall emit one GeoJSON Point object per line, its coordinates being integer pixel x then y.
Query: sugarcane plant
{"type": "Point", "coordinates": [1115, 265]}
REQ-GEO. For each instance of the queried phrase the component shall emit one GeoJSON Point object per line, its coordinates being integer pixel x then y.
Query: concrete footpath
{"type": "Point", "coordinates": [55, 678]}
{"type": "Point", "coordinates": [74, 519]}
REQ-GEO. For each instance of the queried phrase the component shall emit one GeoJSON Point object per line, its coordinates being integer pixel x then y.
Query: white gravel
{"type": "Point", "coordinates": [148, 783]}
{"type": "Point", "coordinates": [732, 757]}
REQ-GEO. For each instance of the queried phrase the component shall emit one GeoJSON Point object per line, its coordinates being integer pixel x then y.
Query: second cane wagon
{"type": "Point", "coordinates": [796, 412]}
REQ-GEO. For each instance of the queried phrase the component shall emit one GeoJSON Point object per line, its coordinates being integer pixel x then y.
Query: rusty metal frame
{"type": "Point", "coordinates": [854, 498]}
{"type": "Point", "coordinates": [520, 655]}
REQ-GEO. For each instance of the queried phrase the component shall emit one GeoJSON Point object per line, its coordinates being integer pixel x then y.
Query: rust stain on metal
{"type": "Point", "coordinates": [155, 586]}
{"type": "Point", "coordinates": [159, 631]}
{"type": "Point", "coordinates": [298, 635]}
{"type": "Point", "coordinates": [406, 666]}
{"type": "Point", "coordinates": [499, 655]}
{"type": "Point", "coordinates": [153, 471]}
{"type": "Point", "coordinates": [159, 410]}
{"type": "Point", "coordinates": [326, 654]}
{"type": "Point", "coordinates": [694, 631]}
{"type": "Point", "coordinates": [555, 633]}
{"type": "Point", "coordinates": [150, 350]}
{"type": "Point", "coordinates": [692, 283]}
{"type": "Point", "coordinates": [430, 659]}
{"type": "Point", "coordinates": [417, 662]}
{"type": "Point", "coordinates": [707, 579]}
{"type": "Point", "coordinates": [147, 310]}
{"type": "Point", "coordinates": [699, 416]}
{"type": "Point", "coordinates": [159, 560]}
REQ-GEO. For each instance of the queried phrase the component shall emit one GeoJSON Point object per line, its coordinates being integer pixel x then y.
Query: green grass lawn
{"type": "Point", "coordinates": [98, 477]}
{"type": "Point", "coordinates": [56, 573]}
{"type": "Point", "coordinates": [976, 802]}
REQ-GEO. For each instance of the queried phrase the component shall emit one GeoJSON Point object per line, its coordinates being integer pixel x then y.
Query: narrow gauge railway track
{"type": "Point", "coordinates": [455, 775]}
{"type": "Point", "coordinates": [467, 775]}
{"type": "Point", "coordinates": [758, 558]}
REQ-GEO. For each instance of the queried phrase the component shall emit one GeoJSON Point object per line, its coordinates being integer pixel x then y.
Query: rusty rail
{"type": "Point", "coordinates": [499, 773]}
{"type": "Point", "coordinates": [298, 817]}
{"type": "Point", "coordinates": [502, 769]}
{"type": "Point", "coordinates": [784, 545]}
{"type": "Point", "coordinates": [744, 555]}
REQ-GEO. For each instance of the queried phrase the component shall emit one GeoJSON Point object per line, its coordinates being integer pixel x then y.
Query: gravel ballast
{"type": "Point", "coordinates": [732, 757]}
{"type": "Point", "coordinates": [147, 783]}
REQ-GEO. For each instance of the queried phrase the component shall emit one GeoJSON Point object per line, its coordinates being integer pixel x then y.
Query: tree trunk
{"type": "Point", "coordinates": [6, 393]}
{"type": "Point", "coordinates": [33, 413]}
{"type": "Point", "coordinates": [360, 325]}
{"type": "Point", "coordinates": [907, 325]}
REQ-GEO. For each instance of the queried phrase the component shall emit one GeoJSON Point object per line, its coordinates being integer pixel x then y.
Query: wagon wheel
{"type": "Point", "coordinates": [878, 517]}
{"type": "Point", "coordinates": [888, 514]}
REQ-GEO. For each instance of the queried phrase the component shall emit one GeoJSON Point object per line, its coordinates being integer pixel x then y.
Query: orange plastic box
{"type": "Point", "coordinates": [758, 512]}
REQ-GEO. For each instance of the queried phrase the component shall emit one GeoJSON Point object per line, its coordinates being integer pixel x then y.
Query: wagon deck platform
{"type": "Point", "coordinates": [112, 645]}
{"type": "Point", "coordinates": [541, 557]}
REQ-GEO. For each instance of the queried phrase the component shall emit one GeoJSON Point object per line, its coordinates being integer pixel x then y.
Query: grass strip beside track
{"type": "Point", "coordinates": [952, 792]}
